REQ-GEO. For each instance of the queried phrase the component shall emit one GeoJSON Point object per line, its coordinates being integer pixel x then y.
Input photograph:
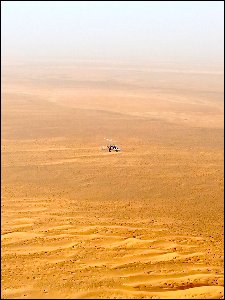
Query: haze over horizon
{"type": "Point", "coordinates": [154, 31]}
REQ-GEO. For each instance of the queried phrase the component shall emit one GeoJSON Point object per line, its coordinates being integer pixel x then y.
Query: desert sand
{"type": "Point", "coordinates": [80, 222]}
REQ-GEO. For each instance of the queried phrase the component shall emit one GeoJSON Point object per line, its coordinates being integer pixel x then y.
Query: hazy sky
{"type": "Point", "coordinates": [111, 30]}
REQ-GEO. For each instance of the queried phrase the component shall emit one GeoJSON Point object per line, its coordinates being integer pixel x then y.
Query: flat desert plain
{"type": "Point", "coordinates": [81, 222]}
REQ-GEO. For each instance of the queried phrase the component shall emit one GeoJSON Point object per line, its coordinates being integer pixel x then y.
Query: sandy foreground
{"type": "Point", "coordinates": [80, 222]}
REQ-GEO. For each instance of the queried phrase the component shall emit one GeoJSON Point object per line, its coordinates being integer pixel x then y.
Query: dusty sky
{"type": "Point", "coordinates": [145, 31]}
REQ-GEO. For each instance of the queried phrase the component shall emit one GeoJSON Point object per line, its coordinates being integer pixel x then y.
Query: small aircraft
{"type": "Point", "coordinates": [111, 146]}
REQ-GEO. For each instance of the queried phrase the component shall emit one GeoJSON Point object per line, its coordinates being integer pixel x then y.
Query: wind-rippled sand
{"type": "Point", "coordinates": [79, 222]}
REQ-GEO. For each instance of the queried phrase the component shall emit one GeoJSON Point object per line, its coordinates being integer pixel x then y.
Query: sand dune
{"type": "Point", "coordinates": [79, 222]}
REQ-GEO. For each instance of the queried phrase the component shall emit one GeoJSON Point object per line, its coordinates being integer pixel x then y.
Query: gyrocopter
{"type": "Point", "coordinates": [111, 146]}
